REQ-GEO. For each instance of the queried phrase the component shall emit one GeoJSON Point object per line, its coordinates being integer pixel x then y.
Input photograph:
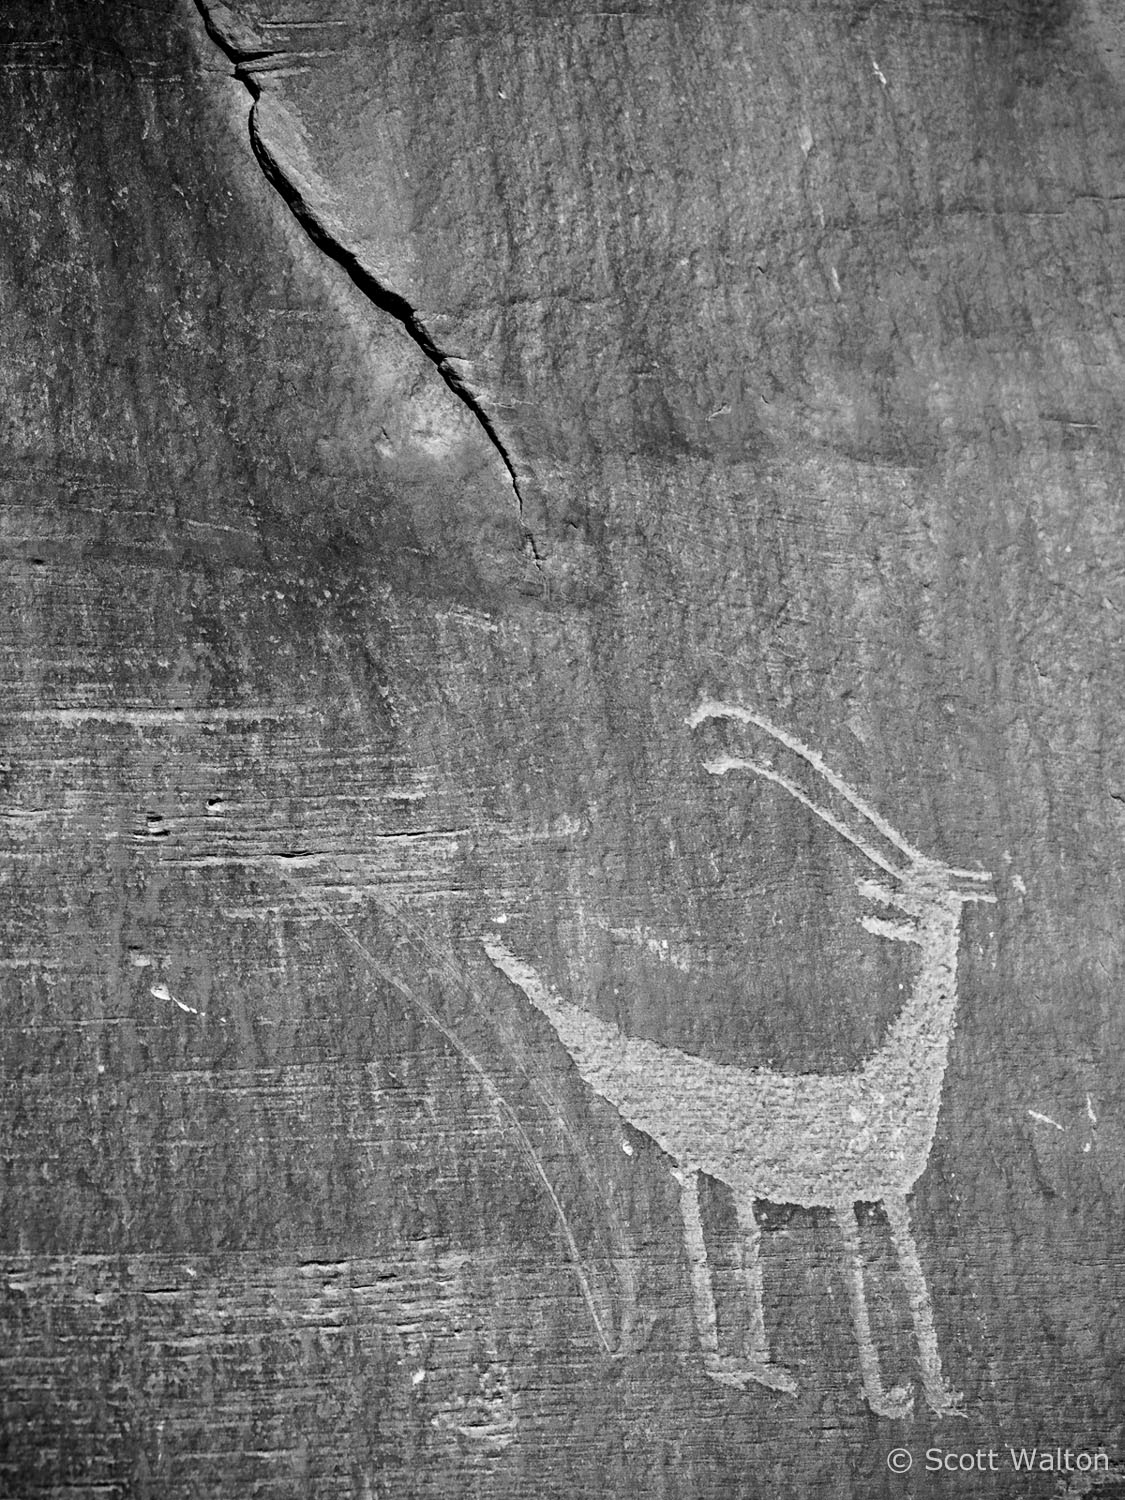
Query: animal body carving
{"type": "Point", "coordinates": [822, 1141]}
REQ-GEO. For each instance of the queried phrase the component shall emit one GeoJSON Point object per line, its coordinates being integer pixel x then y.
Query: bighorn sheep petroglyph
{"type": "Point", "coordinates": [817, 1140]}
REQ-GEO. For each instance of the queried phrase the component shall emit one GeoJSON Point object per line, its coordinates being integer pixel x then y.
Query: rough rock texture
{"type": "Point", "coordinates": [773, 354]}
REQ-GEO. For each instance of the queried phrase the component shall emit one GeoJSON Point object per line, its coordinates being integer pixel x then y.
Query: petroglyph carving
{"type": "Point", "coordinates": [821, 1141]}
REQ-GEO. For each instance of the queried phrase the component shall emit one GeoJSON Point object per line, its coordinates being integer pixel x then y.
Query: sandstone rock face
{"type": "Point", "coordinates": [388, 477]}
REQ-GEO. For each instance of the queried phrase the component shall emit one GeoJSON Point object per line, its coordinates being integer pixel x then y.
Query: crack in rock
{"type": "Point", "coordinates": [287, 166]}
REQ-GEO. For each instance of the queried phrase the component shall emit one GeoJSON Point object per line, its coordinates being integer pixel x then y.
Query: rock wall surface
{"type": "Point", "coordinates": [386, 481]}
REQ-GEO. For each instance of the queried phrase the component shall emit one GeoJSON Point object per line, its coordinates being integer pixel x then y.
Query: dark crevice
{"type": "Point", "coordinates": [382, 297]}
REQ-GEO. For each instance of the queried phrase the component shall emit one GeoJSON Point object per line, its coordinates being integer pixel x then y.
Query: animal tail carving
{"type": "Point", "coordinates": [596, 1046]}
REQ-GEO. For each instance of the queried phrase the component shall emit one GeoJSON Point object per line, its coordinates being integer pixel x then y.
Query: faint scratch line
{"type": "Point", "coordinates": [492, 1090]}
{"type": "Point", "coordinates": [550, 1104]}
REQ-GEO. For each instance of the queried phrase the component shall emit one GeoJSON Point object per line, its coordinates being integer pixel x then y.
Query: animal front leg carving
{"type": "Point", "coordinates": [893, 1403]}
{"type": "Point", "coordinates": [896, 1402]}
{"type": "Point", "coordinates": [946, 1402]}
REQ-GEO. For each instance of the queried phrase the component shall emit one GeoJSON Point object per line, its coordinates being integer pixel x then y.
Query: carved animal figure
{"type": "Point", "coordinates": [820, 1141]}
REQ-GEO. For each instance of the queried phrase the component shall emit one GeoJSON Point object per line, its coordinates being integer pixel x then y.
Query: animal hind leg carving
{"type": "Point", "coordinates": [727, 1370]}
{"type": "Point", "coordinates": [946, 1402]}
{"type": "Point", "coordinates": [749, 1254]}
{"type": "Point", "coordinates": [706, 1320]}
{"type": "Point", "coordinates": [897, 1401]}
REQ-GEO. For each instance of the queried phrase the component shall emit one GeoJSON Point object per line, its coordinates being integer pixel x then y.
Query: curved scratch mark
{"type": "Point", "coordinates": [462, 1049]}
